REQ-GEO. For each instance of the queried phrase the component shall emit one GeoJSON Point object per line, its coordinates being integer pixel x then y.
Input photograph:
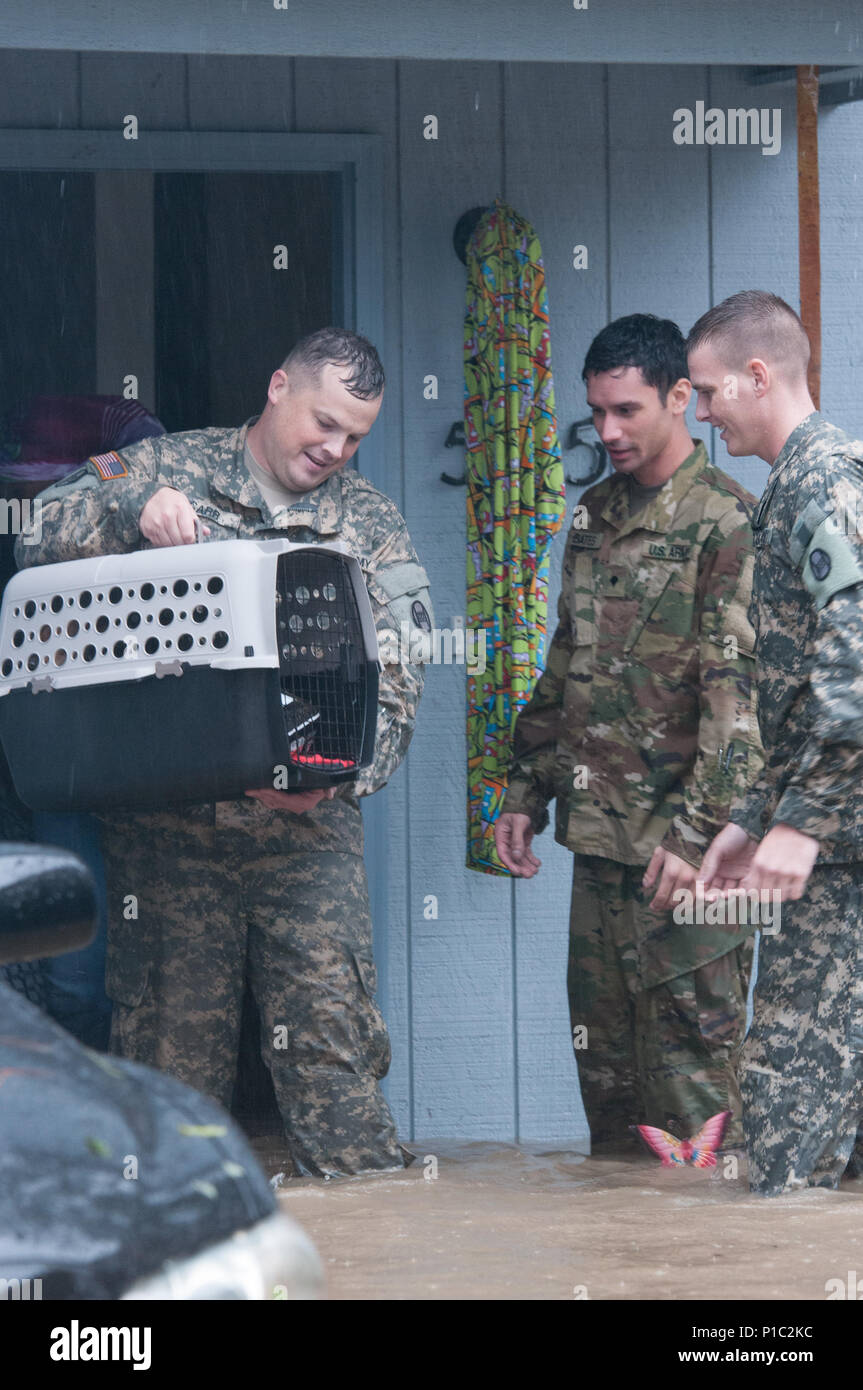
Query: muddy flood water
{"type": "Point", "coordinates": [500, 1221]}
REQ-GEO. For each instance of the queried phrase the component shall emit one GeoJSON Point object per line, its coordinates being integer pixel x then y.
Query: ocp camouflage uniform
{"type": "Point", "coordinates": [802, 1064]}
{"type": "Point", "coordinates": [203, 896]}
{"type": "Point", "coordinates": [643, 727]}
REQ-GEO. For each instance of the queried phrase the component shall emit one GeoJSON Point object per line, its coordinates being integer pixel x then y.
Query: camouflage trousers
{"type": "Point", "coordinates": [802, 1064]}
{"type": "Point", "coordinates": [662, 1054]}
{"type": "Point", "coordinates": [198, 904]}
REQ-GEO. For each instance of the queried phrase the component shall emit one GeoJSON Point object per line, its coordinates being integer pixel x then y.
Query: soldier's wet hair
{"type": "Point", "coordinates": [754, 323]}
{"type": "Point", "coordinates": [364, 375]}
{"type": "Point", "coordinates": [654, 345]}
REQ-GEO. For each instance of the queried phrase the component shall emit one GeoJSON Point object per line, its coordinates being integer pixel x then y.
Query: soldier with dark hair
{"type": "Point", "coordinates": [271, 888]}
{"type": "Point", "coordinates": [799, 830]}
{"type": "Point", "coordinates": [642, 727]}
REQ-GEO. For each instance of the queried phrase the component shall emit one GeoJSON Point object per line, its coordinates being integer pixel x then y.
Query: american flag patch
{"type": "Point", "coordinates": [109, 465]}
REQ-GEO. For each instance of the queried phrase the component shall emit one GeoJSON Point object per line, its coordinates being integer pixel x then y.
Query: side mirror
{"type": "Point", "coordinates": [47, 902]}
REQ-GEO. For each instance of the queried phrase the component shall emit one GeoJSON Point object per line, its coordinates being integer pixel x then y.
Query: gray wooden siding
{"type": "Point", "coordinates": [475, 998]}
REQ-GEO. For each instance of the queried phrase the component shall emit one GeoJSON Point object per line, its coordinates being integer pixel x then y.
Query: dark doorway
{"type": "Point", "coordinates": [226, 305]}
{"type": "Point", "coordinates": [227, 308]}
{"type": "Point", "coordinates": [48, 324]}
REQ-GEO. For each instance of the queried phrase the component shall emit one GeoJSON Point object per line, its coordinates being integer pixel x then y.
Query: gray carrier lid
{"type": "Point", "coordinates": [123, 617]}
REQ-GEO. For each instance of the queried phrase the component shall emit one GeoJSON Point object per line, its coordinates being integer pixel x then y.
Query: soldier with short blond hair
{"type": "Point", "coordinates": [798, 832]}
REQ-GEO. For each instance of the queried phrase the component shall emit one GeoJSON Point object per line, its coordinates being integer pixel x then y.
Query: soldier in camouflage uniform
{"type": "Point", "coordinates": [271, 887]}
{"type": "Point", "coordinates": [802, 1064]}
{"type": "Point", "coordinates": [642, 727]}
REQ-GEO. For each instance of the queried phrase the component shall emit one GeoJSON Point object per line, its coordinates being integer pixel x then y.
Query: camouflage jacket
{"type": "Point", "coordinates": [807, 611]}
{"type": "Point", "coordinates": [643, 722]}
{"type": "Point", "coordinates": [86, 514]}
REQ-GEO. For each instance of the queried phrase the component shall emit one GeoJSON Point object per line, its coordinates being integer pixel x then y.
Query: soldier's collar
{"type": "Point", "coordinates": [319, 509]}
{"type": "Point", "coordinates": [658, 514]}
{"type": "Point", "coordinates": [797, 440]}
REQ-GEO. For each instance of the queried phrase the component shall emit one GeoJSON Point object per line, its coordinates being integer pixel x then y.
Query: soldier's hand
{"type": "Point", "coordinates": [676, 873]}
{"type": "Point", "coordinates": [727, 861]}
{"type": "Point", "coordinates": [298, 802]}
{"type": "Point", "coordinates": [169, 519]}
{"type": "Point", "coordinates": [783, 862]}
{"type": "Point", "coordinates": [513, 833]}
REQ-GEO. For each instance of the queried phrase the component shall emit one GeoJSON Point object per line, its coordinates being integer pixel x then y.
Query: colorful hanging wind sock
{"type": "Point", "coordinates": [515, 501]}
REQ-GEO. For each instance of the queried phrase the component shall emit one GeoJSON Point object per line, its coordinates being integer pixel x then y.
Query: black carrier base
{"type": "Point", "coordinates": [134, 744]}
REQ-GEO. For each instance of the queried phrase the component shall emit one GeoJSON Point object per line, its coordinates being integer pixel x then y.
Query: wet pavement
{"type": "Point", "coordinates": [500, 1221]}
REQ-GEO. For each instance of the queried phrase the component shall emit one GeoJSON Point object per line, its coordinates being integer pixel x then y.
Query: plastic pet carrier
{"type": "Point", "coordinates": [187, 673]}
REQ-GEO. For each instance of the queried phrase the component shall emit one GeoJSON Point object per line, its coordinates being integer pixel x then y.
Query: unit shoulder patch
{"type": "Point", "coordinates": [820, 563]}
{"type": "Point", "coordinates": [829, 563]}
{"type": "Point", "coordinates": [421, 616]}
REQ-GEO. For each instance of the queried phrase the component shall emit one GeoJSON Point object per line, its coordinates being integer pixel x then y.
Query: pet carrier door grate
{"type": "Point", "coordinates": [320, 659]}
{"type": "Point", "coordinates": [275, 650]}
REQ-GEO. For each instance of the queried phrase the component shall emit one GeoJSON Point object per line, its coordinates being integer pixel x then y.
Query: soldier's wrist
{"type": "Point", "coordinates": [130, 509]}
{"type": "Point", "coordinates": [523, 800]}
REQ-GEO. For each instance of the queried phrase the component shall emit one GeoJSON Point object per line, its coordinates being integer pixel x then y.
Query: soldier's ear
{"type": "Point", "coordinates": [679, 395]}
{"type": "Point", "coordinates": [760, 375]}
{"type": "Point", "coordinates": [279, 385]}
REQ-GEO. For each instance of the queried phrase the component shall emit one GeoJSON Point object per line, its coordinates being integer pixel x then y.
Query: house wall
{"type": "Point", "coordinates": [475, 998]}
{"type": "Point", "coordinates": [675, 31]}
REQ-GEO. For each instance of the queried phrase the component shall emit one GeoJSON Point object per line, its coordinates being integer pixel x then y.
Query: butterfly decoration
{"type": "Point", "coordinates": [700, 1150]}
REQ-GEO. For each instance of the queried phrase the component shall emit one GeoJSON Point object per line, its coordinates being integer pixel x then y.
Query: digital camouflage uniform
{"type": "Point", "coordinates": [802, 1064]}
{"type": "Point", "coordinates": [643, 727]}
{"type": "Point", "coordinates": [231, 889]}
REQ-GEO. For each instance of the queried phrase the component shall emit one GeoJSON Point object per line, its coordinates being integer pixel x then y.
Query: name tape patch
{"type": "Point", "coordinates": [669, 552]}
{"type": "Point", "coordinates": [207, 512]}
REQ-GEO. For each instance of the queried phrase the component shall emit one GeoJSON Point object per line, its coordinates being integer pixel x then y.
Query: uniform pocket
{"type": "Point", "coordinates": [582, 601]}
{"type": "Point", "coordinates": [373, 1031]}
{"type": "Point", "coordinates": [127, 964]}
{"type": "Point", "coordinates": [855, 1023]}
{"type": "Point", "coordinates": [721, 987]}
{"type": "Point", "coordinates": [663, 638]}
{"type": "Point", "coordinates": [126, 983]}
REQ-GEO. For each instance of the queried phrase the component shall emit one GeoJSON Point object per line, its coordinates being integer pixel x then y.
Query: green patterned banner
{"type": "Point", "coordinates": [515, 500]}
